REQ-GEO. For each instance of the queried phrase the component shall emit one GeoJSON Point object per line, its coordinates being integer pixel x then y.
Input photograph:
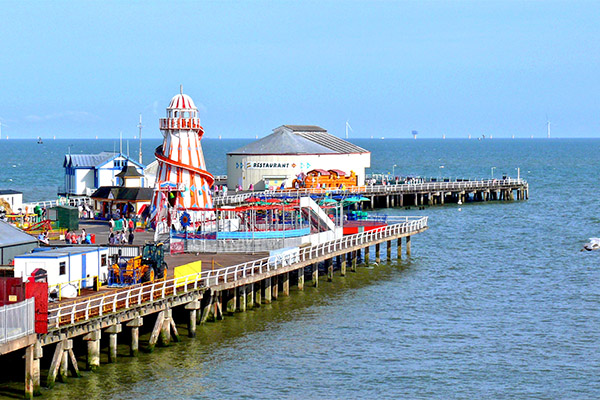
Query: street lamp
{"type": "Point", "coordinates": [394, 171]}
{"type": "Point", "coordinates": [493, 168]}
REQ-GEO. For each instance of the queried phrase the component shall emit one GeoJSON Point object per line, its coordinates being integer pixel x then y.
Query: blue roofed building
{"type": "Point", "coordinates": [84, 173]}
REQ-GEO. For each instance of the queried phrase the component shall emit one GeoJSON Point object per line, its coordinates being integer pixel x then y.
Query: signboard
{"type": "Point", "coordinates": [270, 165]}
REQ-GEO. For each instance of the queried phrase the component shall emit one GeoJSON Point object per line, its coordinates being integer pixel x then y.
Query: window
{"type": "Point", "coordinates": [103, 260]}
{"type": "Point", "coordinates": [62, 268]}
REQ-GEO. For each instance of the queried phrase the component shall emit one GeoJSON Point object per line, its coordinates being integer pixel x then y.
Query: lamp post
{"type": "Point", "coordinates": [493, 168]}
{"type": "Point", "coordinates": [394, 171]}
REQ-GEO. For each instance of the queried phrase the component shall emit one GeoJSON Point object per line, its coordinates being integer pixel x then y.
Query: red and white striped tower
{"type": "Point", "coordinates": [182, 181]}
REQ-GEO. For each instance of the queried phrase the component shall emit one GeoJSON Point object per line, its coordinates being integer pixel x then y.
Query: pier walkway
{"type": "Point", "coordinates": [208, 295]}
{"type": "Point", "coordinates": [407, 194]}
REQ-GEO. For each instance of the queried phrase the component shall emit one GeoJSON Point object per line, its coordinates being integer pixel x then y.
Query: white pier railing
{"type": "Point", "coordinates": [405, 188]}
{"type": "Point", "coordinates": [74, 201]}
{"type": "Point", "coordinates": [84, 309]}
{"type": "Point", "coordinates": [17, 320]}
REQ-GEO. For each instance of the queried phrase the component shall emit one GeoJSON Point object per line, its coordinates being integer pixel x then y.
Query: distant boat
{"type": "Point", "coordinates": [40, 141]}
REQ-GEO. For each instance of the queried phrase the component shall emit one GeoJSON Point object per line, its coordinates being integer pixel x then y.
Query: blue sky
{"type": "Point", "coordinates": [81, 69]}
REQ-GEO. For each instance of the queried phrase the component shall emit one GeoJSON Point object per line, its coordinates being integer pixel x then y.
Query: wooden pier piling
{"type": "Point", "coordinates": [286, 284]}
{"type": "Point", "coordinates": [29, 371]}
{"type": "Point", "coordinates": [250, 295]}
{"type": "Point", "coordinates": [135, 325]}
{"type": "Point", "coordinates": [93, 349]}
{"type": "Point", "coordinates": [55, 364]}
{"type": "Point", "coordinates": [192, 307]}
{"type": "Point", "coordinates": [275, 287]}
{"type": "Point", "coordinates": [159, 324]}
{"type": "Point", "coordinates": [257, 294]}
{"type": "Point", "coordinates": [231, 301]}
{"type": "Point", "coordinates": [300, 278]}
{"type": "Point", "coordinates": [242, 301]}
{"type": "Point", "coordinates": [268, 293]}
{"type": "Point", "coordinates": [113, 331]}
{"type": "Point", "coordinates": [399, 249]}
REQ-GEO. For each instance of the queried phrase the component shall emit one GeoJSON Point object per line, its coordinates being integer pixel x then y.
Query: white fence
{"type": "Point", "coordinates": [405, 188]}
{"type": "Point", "coordinates": [17, 320]}
{"type": "Point", "coordinates": [92, 307]}
{"type": "Point", "coordinates": [75, 201]}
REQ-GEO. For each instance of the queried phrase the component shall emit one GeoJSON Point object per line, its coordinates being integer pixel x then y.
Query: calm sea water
{"type": "Point", "coordinates": [497, 301]}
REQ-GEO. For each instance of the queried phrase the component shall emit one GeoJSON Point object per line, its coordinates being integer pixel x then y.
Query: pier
{"type": "Point", "coordinates": [206, 296]}
{"type": "Point", "coordinates": [409, 194]}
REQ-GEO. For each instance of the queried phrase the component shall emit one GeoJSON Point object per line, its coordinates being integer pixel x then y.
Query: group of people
{"type": "Point", "coordinates": [125, 234]}
{"type": "Point", "coordinates": [75, 238]}
{"type": "Point", "coordinates": [220, 190]}
{"type": "Point", "coordinates": [121, 237]}
{"type": "Point", "coordinates": [85, 211]}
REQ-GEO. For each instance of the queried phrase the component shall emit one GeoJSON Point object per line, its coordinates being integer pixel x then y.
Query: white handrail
{"type": "Point", "coordinates": [378, 189]}
{"type": "Point", "coordinates": [82, 309]}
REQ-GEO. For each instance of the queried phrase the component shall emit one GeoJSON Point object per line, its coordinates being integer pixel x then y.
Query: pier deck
{"type": "Point", "coordinates": [407, 194]}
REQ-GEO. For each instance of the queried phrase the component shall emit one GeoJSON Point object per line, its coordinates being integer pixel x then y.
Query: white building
{"type": "Point", "coordinates": [150, 173]}
{"type": "Point", "coordinates": [289, 151]}
{"type": "Point", "coordinates": [76, 265]}
{"type": "Point", "coordinates": [84, 173]}
{"type": "Point", "coordinates": [13, 198]}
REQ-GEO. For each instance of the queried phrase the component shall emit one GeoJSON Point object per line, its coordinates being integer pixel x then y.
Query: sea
{"type": "Point", "coordinates": [496, 302]}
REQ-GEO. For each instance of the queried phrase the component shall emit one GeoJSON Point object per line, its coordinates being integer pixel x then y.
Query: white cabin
{"type": "Point", "coordinates": [66, 264]}
{"type": "Point", "coordinates": [13, 198]}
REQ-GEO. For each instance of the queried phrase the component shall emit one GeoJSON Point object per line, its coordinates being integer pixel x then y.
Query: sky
{"type": "Point", "coordinates": [80, 69]}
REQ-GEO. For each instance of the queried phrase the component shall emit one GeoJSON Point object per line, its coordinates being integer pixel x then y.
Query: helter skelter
{"type": "Point", "coordinates": [182, 182]}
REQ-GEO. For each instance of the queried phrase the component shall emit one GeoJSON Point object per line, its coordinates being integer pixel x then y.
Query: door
{"type": "Point", "coordinates": [83, 271]}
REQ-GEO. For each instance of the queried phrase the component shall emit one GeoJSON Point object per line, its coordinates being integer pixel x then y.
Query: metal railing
{"type": "Point", "coordinates": [378, 189]}
{"type": "Point", "coordinates": [74, 201]}
{"type": "Point", "coordinates": [17, 320]}
{"type": "Point", "coordinates": [93, 307]}
{"type": "Point", "coordinates": [127, 251]}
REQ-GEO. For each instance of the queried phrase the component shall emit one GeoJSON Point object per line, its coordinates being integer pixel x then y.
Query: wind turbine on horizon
{"type": "Point", "coordinates": [348, 126]}
{"type": "Point", "coordinates": [1, 130]}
